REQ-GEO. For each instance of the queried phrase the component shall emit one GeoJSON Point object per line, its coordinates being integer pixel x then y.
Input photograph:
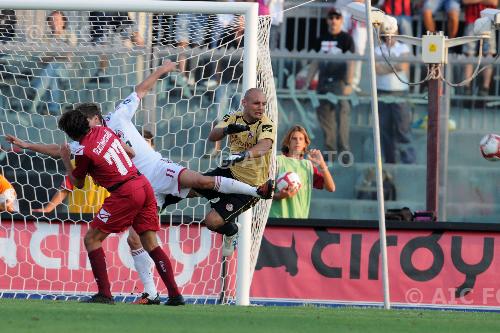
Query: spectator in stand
{"type": "Point", "coordinates": [334, 77]}
{"type": "Point", "coordinates": [190, 31]}
{"type": "Point", "coordinates": [359, 34]}
{"type": "Point", "coordinates": [401, 10]}
{"type": "Point", "coordinates": [394, 117]}
{"type": "Point", "coordinates": [263, 7]}
{"type": "Point", "coordinates": [8, 196]}
{"type": "Point", "coordinates": [313, 173]}
{"type": "Point", "coordinates": [276, 8]}
{"type": "Point", "coordinates": [472, 10]}
{"type": "Point", "coordinates": [54, 64]}
{"type": "Point", "coordinates": [8, 21]}
{"type": "Point", "coordinates": [452, 9]}
{"type": "Point", "coordinates": [102, 25]}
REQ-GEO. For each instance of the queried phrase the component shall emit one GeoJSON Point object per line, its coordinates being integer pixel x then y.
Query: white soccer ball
{"type": "Point", "coordinates": [490, 146]}
{"type": "Point", "coordinates": [289, 180]}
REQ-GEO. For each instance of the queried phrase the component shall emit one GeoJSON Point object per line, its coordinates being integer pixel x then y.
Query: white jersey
{"type": "Point", "coordinates": [162, 173]}
{"type": "Point", "coordinates": [120, 121]}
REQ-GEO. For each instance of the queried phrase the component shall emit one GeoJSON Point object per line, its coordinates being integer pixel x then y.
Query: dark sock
{"type": "Point", "coordinates": [228, 229]}
{"type": "Point", "coordinates": [98, 263]}
{"type": "Point", "coordinates": [165, 270]}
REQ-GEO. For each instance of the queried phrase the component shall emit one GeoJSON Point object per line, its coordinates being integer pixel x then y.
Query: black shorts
{"type": "Point", "coordinates": [229, 205]}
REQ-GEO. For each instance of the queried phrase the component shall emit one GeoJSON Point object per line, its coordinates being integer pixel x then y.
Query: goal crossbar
{"type": "Point", "coordinates": [171, 7]}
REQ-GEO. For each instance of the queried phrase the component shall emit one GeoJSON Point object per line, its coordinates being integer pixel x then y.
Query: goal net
{"type": "Point", "coordinates": [53, 59]}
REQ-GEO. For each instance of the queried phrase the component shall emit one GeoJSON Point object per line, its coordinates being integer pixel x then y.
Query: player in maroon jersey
{"type": "Point", "coordinates": [100, 153]}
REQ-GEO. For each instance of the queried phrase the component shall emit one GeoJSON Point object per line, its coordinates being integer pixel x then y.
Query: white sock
{"type": "Point", "coordinates": [228, 185]}
{"type": "Point", "coordinates": [143, 265]}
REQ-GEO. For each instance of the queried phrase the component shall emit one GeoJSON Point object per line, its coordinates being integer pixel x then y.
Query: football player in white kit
{"type": "Point", "coordinates": [165, 176]}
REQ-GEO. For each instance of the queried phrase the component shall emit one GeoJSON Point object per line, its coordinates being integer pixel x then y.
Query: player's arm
{"type": "Point", "coordinates": [51, 150]}
{"type": "Point", "coordinates": [316, 157]}
{"type": "Point", "coordinates": [66, 158]}
{"type": "Point", "coordinates": [130, 152]}
{"type": "Point", "coordinates": [260, 149]}
{"type": "Point", "coordinates": [142, 88]}
{"type": "Point", "coordinates": [216, 134]}
{"type": "Point", "coordinates": [55, 201]}
{"type": "Point", "coordinates": [225, 127]}
{"type": "Point", "coordinates": [286, 193]}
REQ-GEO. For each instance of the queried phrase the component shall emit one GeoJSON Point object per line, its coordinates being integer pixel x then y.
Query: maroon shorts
{"type": "Point", "coordinates": [132, 204]}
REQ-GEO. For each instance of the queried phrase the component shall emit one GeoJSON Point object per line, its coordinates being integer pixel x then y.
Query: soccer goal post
{"type": "Point", "coordinates": [100, 51]}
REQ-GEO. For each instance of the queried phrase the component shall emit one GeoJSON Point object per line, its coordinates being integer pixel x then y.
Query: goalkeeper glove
{"type": "Point", "coordinates": [235, 128]}
{"type": "Point", "coordinates": [235, 158]}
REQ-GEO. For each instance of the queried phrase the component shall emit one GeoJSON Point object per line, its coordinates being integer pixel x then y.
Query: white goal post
{"type": "Point", "coordinates": [256, 72]}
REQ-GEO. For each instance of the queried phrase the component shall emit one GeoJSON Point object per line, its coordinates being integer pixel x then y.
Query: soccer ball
{"type": "Point", "coordinates": [289, 180]}
{"type": "Point", "coordinates": [489, 146]}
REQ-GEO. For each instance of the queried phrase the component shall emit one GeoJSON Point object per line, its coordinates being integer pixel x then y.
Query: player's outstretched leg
{"type": "Point", "coordinates": [192, 179]}
{"type": "Point", "coordinates": [230, 242]}
{"type": "Point", "coordinates": [93, 243]}
{"type": "Point", "coordinates": [228, 230]}
{"type": "Point", "coordinates": [163, 266]}
{"type": "Point", "coordinates": [143, 265]}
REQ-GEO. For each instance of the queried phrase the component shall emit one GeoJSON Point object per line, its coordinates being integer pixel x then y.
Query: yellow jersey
{"type": "Point", "coordinates": [253, 171]}
{"type": "Point", "coordinates": [88, 199]}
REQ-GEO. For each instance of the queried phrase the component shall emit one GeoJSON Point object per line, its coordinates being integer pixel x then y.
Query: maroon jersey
{"type": "Point", "coordinates": [100, 154]}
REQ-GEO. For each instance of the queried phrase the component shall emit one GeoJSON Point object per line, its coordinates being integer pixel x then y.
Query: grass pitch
{"type": "Point", "coordinates": [67, 316]}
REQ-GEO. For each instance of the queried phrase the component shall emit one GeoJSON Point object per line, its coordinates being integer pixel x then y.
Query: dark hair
{"type": "Point", "coordinates": [54, 12]}
{"type": "Point", "coordinates": [90, 110]}
{"type": "Point", "coordinates": [148, 136]}
{"type": "Point", "coordinates": [285, 144]}
{"type": "Point", "coordinates": [74, 124]}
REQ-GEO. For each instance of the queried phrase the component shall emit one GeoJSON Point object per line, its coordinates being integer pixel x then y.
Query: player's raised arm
{"type": "Point", "coordinates": [142, 88]}
{"type": "Point", "coordinates": [226, 127]}
{"type": "Point", "coordinates": [51, 150]}
{"type": "Point", "coordinates": [261, 148]}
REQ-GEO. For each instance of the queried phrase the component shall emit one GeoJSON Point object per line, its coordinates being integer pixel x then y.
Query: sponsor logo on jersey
{"type": "Point", "coordinates": [267, 128]}
{"type": "Point", "coordinates": [103, 215]}
{"type": "Point", "coordinates": [120, 134]}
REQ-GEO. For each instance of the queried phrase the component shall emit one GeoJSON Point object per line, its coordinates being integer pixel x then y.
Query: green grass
{"type": "Point", "coordinates": [59, 316]}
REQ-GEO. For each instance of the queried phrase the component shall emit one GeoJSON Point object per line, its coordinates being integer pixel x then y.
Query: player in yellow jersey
{"type": "Point", "coordinates": [251, 136]}
{"type": "Point", "coordinates": [87, 200]}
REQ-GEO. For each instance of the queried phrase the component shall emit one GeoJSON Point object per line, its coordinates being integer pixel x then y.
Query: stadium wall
{"type": "Point", "coordinates": [431, 264]}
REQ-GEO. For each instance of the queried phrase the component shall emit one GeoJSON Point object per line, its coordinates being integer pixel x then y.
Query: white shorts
{"type": "Point", "coordinates": [165, 180]}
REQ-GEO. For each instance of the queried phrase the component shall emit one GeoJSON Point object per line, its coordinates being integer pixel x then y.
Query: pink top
{"type": "Point", "coordinates": [263, 7]}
